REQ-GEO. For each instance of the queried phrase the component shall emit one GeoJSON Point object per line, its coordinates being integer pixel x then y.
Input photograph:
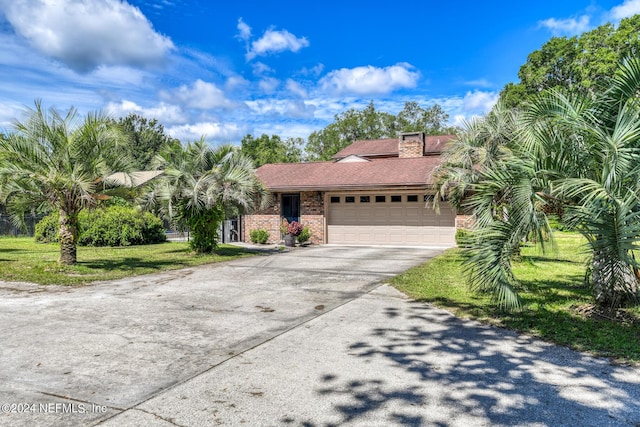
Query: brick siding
{"type": "Point", "coordinates": [311, 215]}
{"type": "Point", "coordinates": [465, 221]}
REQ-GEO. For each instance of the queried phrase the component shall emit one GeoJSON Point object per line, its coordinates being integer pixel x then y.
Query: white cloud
{"type": "Point", "coordinates": [84, 34]}
{"type": "Point", "coordinates": [370, 80]}
{"type": "Point", "coordinates": [8, 113]}
{"type": "Point", "coordinates": [164, 113]}
{"type": "Point", "coordinates": [566, 26]}
{"type": "Point", "coordinates": [314, 71]}
{"type": "Point", "coordinates": [288, 108]}
{"type": "Point", "coordinates": [273, 41]}
{"type": "Point", "coordinates": [200, 95]}
{"type": "Point", "coordinates": [260, 68]}
{"type": "Point", "coordinates": [626, 9]}
{"type": "Point", "coordinates": [459, 120]}
{"type": "Point", "coordinates": [296, 88]}
{"type": "Point", "coordinates": [269, 84]}
{"type": "Point", "coordinates": [244, 31]}
{"type": "Point", "coordinates": [479, 83]}
{"type": "Point", "coordinates": [479, 102]}
{"type": "Point", "coordinates": [234, 82]}
{"type": "Point", "coordinates": [218, 132]}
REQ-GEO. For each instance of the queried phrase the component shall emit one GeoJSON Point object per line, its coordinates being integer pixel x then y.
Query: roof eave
{"type": "Point", "coordinates": [346, 187]}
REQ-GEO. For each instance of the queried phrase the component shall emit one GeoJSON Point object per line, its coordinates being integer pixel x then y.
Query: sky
{"type": "Point", "coordinates": [223, 70]}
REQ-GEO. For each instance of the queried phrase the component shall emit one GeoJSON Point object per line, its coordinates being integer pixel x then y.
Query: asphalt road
{"type": "Point", "coordinates": [308, 337]}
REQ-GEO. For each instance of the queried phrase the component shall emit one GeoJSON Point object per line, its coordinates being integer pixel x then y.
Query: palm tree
{"type": "Point", "coordinates": [576, 151]}
{"type": "Point", "coordinates": [485, 173]}
{"type": "Point", "coordinates": [58, 161]}
{"type": "Point", "coordinates": [201, 184]}
{"type": "Point", "coordinates": [589, 150]}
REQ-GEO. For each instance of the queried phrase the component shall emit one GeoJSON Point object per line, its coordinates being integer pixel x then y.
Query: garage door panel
{"type": "Point", "coordinates": [392, 223]}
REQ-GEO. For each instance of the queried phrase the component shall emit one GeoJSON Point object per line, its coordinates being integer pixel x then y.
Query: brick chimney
{"type": "Point", "coordinates": [411, 144]}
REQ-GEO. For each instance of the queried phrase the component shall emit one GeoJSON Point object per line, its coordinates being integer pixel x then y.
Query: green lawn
{"type": "Point", "coordinates": [23, 260]}
{"type": "Point", "coordinates": [556, 304]}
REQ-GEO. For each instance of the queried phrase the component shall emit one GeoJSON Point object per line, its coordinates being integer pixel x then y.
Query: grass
{"type": "Point", "coordinates": [24, 260]}
{"type": "Point", "coordinates": [556, 303]}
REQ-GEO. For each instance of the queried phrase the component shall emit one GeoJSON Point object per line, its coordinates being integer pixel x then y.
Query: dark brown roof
{"type": "Point", "coordinates": [433, 144]}
{"type": "Point", "coordinates": [392, 172]}
{"type": "Point", "coordinates": [370, 148]}
{"type": "Point", "coordinates": [436, 144]}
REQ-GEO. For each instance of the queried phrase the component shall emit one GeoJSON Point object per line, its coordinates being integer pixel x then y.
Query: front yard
{"type": "Point", "coordinates": [23, 260]}
{"type": "Point", "coordinates": [556, 305]}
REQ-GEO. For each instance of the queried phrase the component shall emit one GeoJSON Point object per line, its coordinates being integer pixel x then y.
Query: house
{"type": "Point", "coordinates": [373, 192]}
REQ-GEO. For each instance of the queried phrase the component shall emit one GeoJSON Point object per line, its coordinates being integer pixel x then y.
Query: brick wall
{"type": "Point", "coordinates": [311, 215]}
{"type": "Point", "coordinates": [267, 219]}
{"type": "Point", "coordinates": [465, 221]}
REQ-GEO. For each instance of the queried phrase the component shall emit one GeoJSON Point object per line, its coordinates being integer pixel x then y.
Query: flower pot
{"type": "Point", "coordinates": [289, 240]}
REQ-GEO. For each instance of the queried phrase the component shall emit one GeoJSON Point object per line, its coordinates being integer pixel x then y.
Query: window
{"type": "Point", "coordinates": [428, 197]}
{"type": "Point", "coordinates": [381, 199]}
{"type": "Point", "coordinates": [412, 198]}
{"type": "Point", "coordinates": [335, 199]}
{"type": "Point", "coordinates": [395, 199]}
{"type": "Point", "coordinates": [350, 199]}
{"type": "Point", "coordinates": [364, 199]}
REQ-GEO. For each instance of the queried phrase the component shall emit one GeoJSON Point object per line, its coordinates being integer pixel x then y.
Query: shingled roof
{"type": "Point", "coordinates": [388, 147]}
{"type": "Point", "coordinates": [391, 172]}
{"type": "Point", "coordinates": [370, 148]}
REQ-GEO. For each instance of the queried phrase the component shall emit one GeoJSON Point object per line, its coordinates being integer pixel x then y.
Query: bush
{"type": "Point", "coordinates": [464, 238]}
{"type": "Point", "coordinates": [259, 236]}
{"type": "Point", "coordinates": [46, 230]}
{"type": "Point", "coordinates": [204, 226]}
{"type": "Point", "coordinates": [111, 226]}
{"type": "Point", "coordinates": [556, 223]}
{"type": "Point", "coordinates": [305, 235]}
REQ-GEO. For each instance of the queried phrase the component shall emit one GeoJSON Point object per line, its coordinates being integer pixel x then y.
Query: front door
{"type": "Point", "coordinates": [291, 207]}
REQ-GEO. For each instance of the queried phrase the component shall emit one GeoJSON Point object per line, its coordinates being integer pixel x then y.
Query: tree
{"type": "Point", "coordinates": [481, 145]}
{"type": "Point", "coordinates": [347, 127]}
{"type": "Point", "coordinates": [200, 183]}
{"type": "Point", "coordinates": [59, 161]}
{"type": "Point", "coordinates": [145, 139]}
{"type": "Point", "coordinates": [582, 63]}
{"type": "Point", "coordinates": [272, 149]}
{"type": "Point", "coordinates": [370, 123]}
{"type": "Point", "coordinates": [574, 150]}
{"type": "Point", "coordinates": [432, 120]}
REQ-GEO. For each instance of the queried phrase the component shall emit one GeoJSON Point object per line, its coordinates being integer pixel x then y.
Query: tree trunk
{"type": "Point", "coordinates": [614, 282]}
{"type": "Point", "coordinates": [68, 237]}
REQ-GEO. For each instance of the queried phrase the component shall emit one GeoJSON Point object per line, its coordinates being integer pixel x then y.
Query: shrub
{"type": "Point", "coordinates": [464, 238]}
{"type": "Point", "coordinates": [46, 230]}
{"type": "Point", "coordinates": [259, 236]}
{"type": "Point", "coordinates": [111, 226]}
{"type": "Point", "coordinates": [204, 226]}
{"type": "Point", "coordinates": [305, 235]}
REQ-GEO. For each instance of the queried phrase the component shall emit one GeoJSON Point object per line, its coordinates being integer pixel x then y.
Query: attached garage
{"type": "Point", "coordinates": [372, 193]}
{"type": "Point", "coordinates": [388, 218]}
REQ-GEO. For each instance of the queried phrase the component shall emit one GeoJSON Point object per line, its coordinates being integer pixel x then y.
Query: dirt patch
{"type": "Point", "coordinates": [621, 315]}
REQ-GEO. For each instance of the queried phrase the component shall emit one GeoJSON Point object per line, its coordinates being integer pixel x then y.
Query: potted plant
{"type": "Point", "coordinates": [293, 230]}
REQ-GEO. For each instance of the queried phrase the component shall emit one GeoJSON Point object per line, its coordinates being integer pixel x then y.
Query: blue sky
{"type": "Point", "coordinates": [225, 69]}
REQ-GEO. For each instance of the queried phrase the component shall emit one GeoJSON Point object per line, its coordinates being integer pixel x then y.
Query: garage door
{"type": "Point", "coordinates": [388, 219]}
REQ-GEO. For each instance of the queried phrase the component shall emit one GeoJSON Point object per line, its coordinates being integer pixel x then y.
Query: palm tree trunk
{"type": "Point", "coordinates": [614, 282]}
{"type": "Point", "coordinates": [68, 237]}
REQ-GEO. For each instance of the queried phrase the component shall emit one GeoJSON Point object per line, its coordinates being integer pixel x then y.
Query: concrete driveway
{"type": "Point", "coordinates": [307, 337]}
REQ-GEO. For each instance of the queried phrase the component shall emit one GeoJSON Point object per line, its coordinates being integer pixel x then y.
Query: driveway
{"type": "Point", "coordinates": [308, 337]}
